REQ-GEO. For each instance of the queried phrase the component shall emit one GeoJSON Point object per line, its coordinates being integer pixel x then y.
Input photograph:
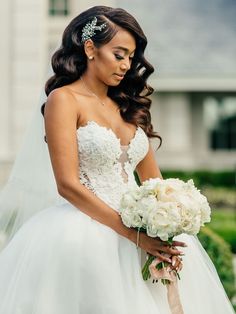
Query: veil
{"type": "Point", "coordinates": [31, 186]}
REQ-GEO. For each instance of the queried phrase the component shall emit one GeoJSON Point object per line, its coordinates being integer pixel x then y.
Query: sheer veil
{"type": "Point", "coordinates": [31, 186]}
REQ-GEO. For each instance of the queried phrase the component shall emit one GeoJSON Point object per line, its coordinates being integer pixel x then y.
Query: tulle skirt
{"type": "Point", "coordinates": [63, 262]}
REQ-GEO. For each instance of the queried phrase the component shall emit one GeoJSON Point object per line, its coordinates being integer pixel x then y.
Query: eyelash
{"type": "Point", "coordinates": [118, 57]}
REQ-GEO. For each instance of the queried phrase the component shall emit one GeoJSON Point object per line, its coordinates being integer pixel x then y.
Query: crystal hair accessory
{"type": "Point", "coordinates": [88, 30]}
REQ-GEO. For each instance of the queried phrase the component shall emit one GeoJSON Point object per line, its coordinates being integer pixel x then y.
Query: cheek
{"type": "Point", "coordinates": [107, 62]}
{"type": "Point", "coordinates": [106, 66]}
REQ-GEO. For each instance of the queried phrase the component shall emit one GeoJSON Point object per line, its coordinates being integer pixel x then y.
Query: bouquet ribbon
{"type": "Point", "coordinates": [172, 287]}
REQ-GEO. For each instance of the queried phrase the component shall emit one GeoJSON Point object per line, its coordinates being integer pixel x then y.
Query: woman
{"type": "Point", "coordinates": [77, 256]}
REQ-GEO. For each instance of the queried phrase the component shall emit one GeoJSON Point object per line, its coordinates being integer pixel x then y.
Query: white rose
{"type": "Point", "coordinates": [203, 206]}
{"type": "Point", "coordinates": [145, 206]}
{"type": "Point", "coordinates": [137, 221]}
{"type": "Point", "coordinates": [163, 221]}
{"type": "Point", "coordinates": [127, 200]}
{"type": "Point", "coordinates": [136, 193]}
{"type": "Point", "coordinates": [151, 186]}
{"type": "Point", "coordinates": [127, 217]}
{"type": "Point", "coordinates": [190, 221]}
{"type": "Point", "coordinates": [175, 183]}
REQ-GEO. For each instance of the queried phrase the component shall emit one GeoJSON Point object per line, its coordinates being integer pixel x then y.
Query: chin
{"type": "Point", "coordinates": [113, 82]}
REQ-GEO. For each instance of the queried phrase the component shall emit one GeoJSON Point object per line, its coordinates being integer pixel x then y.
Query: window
{"type": "Point", "coordinates": [220, 120]}
{"type": "Point", "coordinates": [58, 7]}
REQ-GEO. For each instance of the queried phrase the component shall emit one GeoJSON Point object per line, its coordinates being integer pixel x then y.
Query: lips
{"type": "Point", "coordinates": [121, 76]}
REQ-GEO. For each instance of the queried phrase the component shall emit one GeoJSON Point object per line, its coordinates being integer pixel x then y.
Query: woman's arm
{"type": "Point", "coordinates": [61, 115]}
{"type": "Point", "coordinates": [148, 167]}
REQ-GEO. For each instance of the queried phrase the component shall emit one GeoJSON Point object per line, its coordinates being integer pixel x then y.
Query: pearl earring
{"type": "Point", "coordinates": [90, 57]}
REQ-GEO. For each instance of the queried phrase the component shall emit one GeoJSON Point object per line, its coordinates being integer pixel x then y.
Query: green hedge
{"type": "Point", "coordinates": [220, 253]}
{"type": "Point", "coordinates": [228, 234]}
{"type": "Point", "coordinates": [203, 177]}
{"type": "Point", "coordinates": [223, 222]}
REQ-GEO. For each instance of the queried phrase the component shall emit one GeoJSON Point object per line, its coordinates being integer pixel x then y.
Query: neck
{"type": "Point", "coordinates": [95, 85]}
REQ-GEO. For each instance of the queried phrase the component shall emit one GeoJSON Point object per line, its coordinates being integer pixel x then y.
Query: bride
{"type": "Point", "coordinates": [66, 249]}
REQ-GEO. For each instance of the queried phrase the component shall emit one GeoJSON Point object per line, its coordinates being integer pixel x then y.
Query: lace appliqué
{"type": "Point", "coordinates": [106, 167]}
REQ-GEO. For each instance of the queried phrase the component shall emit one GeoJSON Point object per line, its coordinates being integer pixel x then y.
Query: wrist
{"type": "Point", "coordinates": [133, 234]}
{"type": "Point", "coordinates": [124, 231]}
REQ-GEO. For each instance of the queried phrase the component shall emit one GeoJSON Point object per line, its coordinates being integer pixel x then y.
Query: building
{"type": "Point", "coordinates": [191, 45]}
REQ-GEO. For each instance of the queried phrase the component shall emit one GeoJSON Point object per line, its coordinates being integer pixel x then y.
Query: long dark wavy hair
{"type": "Point", "coordinates": [69, 62]}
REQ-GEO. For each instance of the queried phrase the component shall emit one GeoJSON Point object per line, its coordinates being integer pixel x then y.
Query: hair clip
{"type": "Point", "coordinates": [88, 30]}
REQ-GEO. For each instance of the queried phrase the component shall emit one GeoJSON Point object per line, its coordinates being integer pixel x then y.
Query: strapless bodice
{"type": "Point", "coordinates": [105, 166]}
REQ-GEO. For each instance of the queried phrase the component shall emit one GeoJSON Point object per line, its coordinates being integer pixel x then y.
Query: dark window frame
{"type": "Point", "coordinates": [58, 7]}
{"type": "Point", "coordinates": [223, 136]}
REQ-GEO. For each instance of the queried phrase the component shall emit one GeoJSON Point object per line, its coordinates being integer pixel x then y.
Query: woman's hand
{"type": "Point", "coordinates": [176, 263]}
{"type": "Point", "coordinates": [155, 246]}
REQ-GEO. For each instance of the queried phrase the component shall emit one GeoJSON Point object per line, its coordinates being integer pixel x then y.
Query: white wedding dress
{"type": "Point", "coordinates": [63, 262]}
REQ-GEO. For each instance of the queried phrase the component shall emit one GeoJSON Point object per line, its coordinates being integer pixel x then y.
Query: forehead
{"type": "Point", "coordinates": [122, 39]}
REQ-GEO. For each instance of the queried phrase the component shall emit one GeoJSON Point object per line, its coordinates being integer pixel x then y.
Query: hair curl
{"type": "Point", "coordinates": [69, 62]}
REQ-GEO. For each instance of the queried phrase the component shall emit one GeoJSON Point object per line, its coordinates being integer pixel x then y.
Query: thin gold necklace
{"type": "Point", "coordinates": [91, 93]}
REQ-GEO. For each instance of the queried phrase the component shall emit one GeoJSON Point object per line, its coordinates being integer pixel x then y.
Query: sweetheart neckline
{"type": "Point", "coordinates": [110, 130]}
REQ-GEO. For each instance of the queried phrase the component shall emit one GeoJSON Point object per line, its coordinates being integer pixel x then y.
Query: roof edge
{"type": "Point", "coordinates": [193, 84]}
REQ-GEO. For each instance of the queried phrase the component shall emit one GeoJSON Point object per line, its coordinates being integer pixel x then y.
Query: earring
{"type": "Point", "coordinates": [90, 57]}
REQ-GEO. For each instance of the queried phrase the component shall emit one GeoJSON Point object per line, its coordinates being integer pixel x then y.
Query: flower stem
{"type": "Point", "coordinates": [145, 271]}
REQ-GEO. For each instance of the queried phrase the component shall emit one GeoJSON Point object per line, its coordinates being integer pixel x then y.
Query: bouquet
{"type": "Point", "coordinates": [164, 209]}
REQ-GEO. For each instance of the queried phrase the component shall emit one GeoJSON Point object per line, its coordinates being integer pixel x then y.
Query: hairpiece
{"type": "Point", "coordinates": [88, 30]}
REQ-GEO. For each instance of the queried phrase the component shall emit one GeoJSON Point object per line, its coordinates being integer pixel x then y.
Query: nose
{"type": "Point", "coordinates": [125, 66]}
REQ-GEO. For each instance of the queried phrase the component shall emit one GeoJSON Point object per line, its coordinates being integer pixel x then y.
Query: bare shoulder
{"type": "Point", "coordinates": [61, 100]}
{"type": "Point", "coordinates": [65, 101]}
{"type": "Point", "coordinates": [60, 114]}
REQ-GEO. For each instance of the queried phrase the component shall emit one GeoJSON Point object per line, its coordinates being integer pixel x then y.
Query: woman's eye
{"type": "Point", "coordinates": [118, 57]}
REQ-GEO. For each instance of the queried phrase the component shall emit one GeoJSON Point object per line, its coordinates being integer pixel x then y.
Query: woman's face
{"type": "Point", "coordinates": [113, 60]}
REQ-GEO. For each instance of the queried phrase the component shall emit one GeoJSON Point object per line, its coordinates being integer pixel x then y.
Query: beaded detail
{"type": "Point", "coordinates": [88, 30]}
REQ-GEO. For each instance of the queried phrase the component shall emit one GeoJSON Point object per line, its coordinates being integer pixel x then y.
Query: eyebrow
{"type": "Point", "coordinates": [123, 48]}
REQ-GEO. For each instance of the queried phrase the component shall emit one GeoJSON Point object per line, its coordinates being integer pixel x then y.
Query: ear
{"type": "Point", "coordinates": [89, 49]}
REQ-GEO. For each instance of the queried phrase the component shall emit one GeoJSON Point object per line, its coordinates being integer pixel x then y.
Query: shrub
{"type": "Point", "coordinates": [221, 256]}
{"type": "Point", "coordinates": [220, 197]}
{"type": "Point", "coordinates": [223, 223]}
{"type": "Point", "coordinates": [204, 177]}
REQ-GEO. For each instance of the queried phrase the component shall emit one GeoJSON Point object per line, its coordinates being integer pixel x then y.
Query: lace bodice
{"type": "Point", "coordinates": [105, 166]}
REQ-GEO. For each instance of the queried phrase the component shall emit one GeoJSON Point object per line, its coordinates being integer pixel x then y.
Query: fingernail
{"type": "Point", "coordinates": [173, 263]}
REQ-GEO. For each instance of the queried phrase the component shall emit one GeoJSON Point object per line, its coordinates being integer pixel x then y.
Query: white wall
{"type": "Point", "coordinates": [5, 78]}
{"type": "Point", "coordinates": [23, 42]}
{"type": "Point", "coordinates": [171, 115]}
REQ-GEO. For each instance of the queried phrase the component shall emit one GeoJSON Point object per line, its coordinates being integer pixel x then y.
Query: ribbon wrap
{"type": "Point", "coordinates": [172, 288]}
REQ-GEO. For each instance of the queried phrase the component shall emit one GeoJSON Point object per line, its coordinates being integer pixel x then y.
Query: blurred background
{"type": "Point", "coordinates": [192, 45]}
